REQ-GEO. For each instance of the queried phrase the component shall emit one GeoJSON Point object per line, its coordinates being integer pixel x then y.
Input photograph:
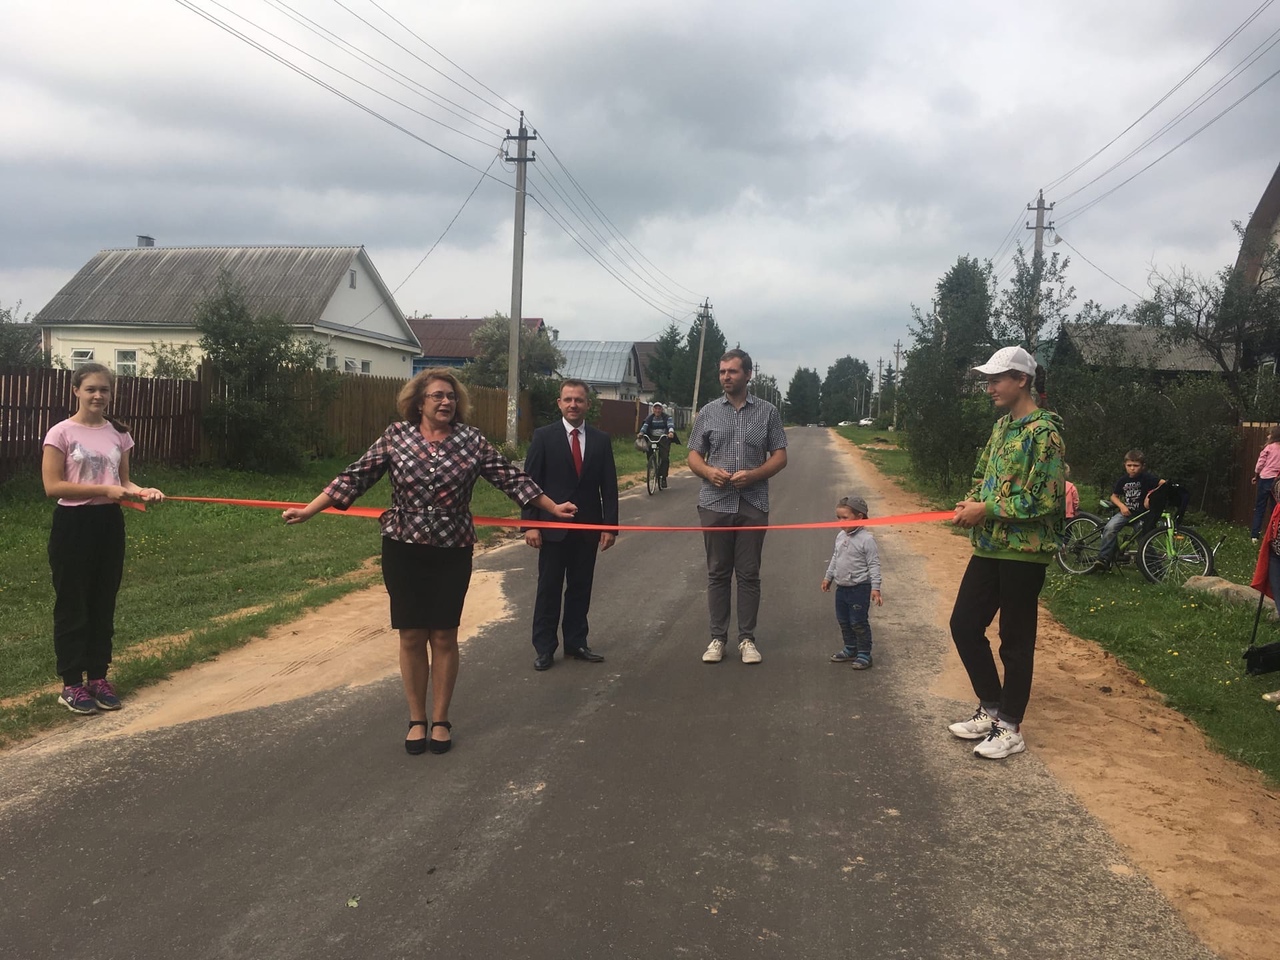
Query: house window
{"type": "Point", "coordinates": [331, 362]}
{"type": "Point", "coordinates": [80, 357]}
{"type": "Point", "coordinates": [349, 365]}
{"type": "Point", "coordinates": [351, 279]}
{"type": "Point", "coordinates": [126, 363]}
{"type": "Point", "coordinates": [366, 366]}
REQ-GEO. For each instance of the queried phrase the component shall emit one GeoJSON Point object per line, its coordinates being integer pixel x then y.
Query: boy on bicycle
{"type": "Point", "coordinates": [659, 428]}
{"type": "Point", "coordinates": [1131, 494]}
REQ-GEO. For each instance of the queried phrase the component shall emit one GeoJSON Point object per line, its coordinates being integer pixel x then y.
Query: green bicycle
{"type": "Point", "coordinates": [1156, 541]}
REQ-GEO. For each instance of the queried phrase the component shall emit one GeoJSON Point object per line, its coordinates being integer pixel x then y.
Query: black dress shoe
{"type": "Point", "coordinates": [544, 661]}
{"type": "Point", "coordinates": [585, 653]}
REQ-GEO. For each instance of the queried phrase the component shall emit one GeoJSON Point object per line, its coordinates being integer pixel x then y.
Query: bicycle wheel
{"type": "Point", "coordinates": [1079, 550]}
{"type": "Point", "coordinates": [651, 474]}
{"type": "Point", "coordinates": [1174, 556]}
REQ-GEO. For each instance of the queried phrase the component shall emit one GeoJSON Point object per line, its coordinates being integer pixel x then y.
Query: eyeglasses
{"type": "Point", "coordinates": [439, 396]}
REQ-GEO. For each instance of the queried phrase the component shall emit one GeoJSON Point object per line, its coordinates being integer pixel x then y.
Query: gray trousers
{"type": "Point", "coordinates": [730, 554]}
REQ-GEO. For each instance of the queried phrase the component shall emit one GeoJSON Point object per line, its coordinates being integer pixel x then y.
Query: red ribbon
{"type": "Point", "coordinates": [376, 512]}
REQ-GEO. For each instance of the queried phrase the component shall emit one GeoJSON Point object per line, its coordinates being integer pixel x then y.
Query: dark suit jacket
{"type": "Point", "coordinates": [550, 464]}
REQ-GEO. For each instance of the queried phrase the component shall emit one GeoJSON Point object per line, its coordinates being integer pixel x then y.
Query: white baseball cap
{"type": "Point", "coordinates": [1009, 358]}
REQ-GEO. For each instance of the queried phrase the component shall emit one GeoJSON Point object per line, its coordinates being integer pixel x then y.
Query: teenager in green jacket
{"type": "Point", "coordinates": [1014, 513]}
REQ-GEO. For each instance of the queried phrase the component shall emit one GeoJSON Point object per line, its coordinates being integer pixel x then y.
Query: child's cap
{"type": "Point", "coordinates": [856, 504]}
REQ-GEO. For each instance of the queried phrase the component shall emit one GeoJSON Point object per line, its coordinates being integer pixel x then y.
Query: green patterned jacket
{"type": "Point", "coordinates": [1020, 477]}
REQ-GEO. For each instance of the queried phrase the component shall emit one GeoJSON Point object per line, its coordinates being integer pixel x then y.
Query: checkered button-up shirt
{"type": "Point", "coordinates": [736, 440]}
{"type": "Point", "coordinates": [431, 483]}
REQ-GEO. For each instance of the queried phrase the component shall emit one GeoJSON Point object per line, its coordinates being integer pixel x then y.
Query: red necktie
{"type": "Point", "coordinates": [577, 453]}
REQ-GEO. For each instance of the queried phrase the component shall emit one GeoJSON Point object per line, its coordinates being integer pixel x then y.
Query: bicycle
{"type": "Point", "coordinates": [1155, 540]}
{"type": "Point", "coordinates": [652, 460]}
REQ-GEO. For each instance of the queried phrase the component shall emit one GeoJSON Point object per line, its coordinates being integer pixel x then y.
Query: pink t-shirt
{"type": "Point", "coordinates": [1268, 465]}
{"type": "Point", "coordinates": [92, 454]}
{"type": "Point", "coordinates": [1073, 500]}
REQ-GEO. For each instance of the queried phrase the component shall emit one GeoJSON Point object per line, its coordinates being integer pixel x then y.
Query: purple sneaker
{"type": "Point", "coordinates": [104, 694]}
{"type": "Point", "coordinates": [77, 699]}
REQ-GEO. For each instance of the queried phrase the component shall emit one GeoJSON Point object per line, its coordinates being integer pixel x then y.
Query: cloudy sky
{"type": "Point", "coordinates": [812, 168]}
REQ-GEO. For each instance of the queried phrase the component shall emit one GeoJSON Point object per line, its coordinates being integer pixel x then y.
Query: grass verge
{"type": "Point", "coordinates": [199, 578]}
{"type": "Point", "coordinates": [1186, 646]}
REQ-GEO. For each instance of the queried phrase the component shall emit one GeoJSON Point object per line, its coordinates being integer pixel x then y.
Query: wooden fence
{"type": "Point", "coordinates": [167, 423]}
{"type": "Point", "coordinates": [163, 416]}
{"type": "Point", "coordinates": [1253, 437]}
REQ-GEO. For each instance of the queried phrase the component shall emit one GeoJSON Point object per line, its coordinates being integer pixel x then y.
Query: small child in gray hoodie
{"type": "Point", "coordinates": [855, 570]}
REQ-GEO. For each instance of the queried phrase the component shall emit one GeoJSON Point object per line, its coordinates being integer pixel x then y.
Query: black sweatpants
{"type": "Point", "coordinates": [1012, 587]}
{"type": "Point", "coordinates": [86, 555]}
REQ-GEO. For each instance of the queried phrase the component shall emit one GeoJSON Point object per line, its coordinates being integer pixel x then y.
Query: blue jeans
{"type": "Point", "coordinates": [1107, 546]}
{"type": "Point", "coordinates": [1261, 506]}
{"type": "Point", "coordinates": [852, 606]}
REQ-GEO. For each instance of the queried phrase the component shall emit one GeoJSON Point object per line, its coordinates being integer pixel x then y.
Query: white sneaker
{"type": "Point", "coordinates": [749, 652]}
{"type": "Point", "coordinates": [714, 652]}
{"type": "Point", "coordinates": [1000, 743]}
{"type": "Point", "coordinates": [975, 728]}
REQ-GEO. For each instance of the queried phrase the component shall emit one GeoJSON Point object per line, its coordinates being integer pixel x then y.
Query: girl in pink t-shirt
{"type": "Point", "coordinates": [1265, 472]}
{"type": "Point", "coordinates": [86, 466]}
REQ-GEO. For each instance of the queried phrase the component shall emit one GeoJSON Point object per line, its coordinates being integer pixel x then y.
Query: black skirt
{"type": "Point", "coordinates": [427, 585]}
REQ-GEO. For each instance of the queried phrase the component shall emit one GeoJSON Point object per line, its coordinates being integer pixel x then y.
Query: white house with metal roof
{"type": "Point", "coordinates": [123, 300]}
{"type": "Point", "coordinates": [610, 367]}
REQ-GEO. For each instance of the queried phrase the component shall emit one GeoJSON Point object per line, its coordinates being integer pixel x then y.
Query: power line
{"type": "Point", "coordinates": [402, 26]}
{"type": "Point", "coordinates": [1186, 111]}
{"type": "Point", "coordinates": [1096, 267]}
{"type": "Point", "coordinates": [443, 233]}
{"type": "Point", "coordinates": [1172, 90]}
{"type": "Point", "coordinates": [369, 60]}
{"type": "Point", "coordinates": [611, 226]}
{"type": "Point", "coordinates": [604, 244]}
{"type": "Point", "coordinates": [1071, 215]}
{"type": "Point", "coordinates": [190, 5]}
{"type": "Point", "coordinates": [573, 235]}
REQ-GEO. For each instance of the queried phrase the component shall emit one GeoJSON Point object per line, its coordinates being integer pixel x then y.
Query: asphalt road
{"type": "Point", "coordinates": [647, 807]}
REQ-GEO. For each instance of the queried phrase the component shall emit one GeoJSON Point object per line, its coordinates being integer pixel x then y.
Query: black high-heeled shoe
{"type": "Point", "coordinates": [439, 746]}
{"type": "Point", "coordinates": [416, 747]}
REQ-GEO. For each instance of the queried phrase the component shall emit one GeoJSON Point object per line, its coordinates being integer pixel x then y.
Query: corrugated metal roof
{"type": "Point", "coordinates": [447, 338]}
{"type": "Point", "coordinates": [1144, 346]}
{"type": "Point", "coordinates": [162, 285]}
{"type": "Point", "coordinates": [597, 361]}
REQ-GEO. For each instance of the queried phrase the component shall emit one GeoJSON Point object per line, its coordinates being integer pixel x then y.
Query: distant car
{"type": "Point", "coordinates": [845, 423]}
{"type": "Point", "coordinates": [810, 424]}
{"type": "Point", "coordinates": [866, 421]}
{"type": "Point", "coordinates": [822, 423]}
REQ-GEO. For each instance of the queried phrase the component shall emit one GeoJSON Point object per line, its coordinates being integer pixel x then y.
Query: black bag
{"type": "Point", "coordinates": [1263, 659]}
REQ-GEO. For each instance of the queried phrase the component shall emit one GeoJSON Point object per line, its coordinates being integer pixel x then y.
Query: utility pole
{"type": "Point", "coordinates": [517, 283]}
{"type": "Point", "coordinates": [897, 379]}
{"type": "Point", "coordinates": [704, 316]}
{"type": "Point", "coordinates": [1037, 271]}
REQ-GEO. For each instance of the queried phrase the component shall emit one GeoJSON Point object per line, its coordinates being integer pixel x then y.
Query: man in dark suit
{"type": "Point", "coordinates": [569, 461]}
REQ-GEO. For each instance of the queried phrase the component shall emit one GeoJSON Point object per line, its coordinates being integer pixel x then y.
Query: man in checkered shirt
{"type": "Point", "coordinates": [735, 446]}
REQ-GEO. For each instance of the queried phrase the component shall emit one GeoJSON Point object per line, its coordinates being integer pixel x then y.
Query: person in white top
{"type": "Point", "coordinates": [85, 465]}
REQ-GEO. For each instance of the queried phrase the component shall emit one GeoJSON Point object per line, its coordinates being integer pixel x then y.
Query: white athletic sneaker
{"type": "Point", "coordinates": [714, 652]}
{"type": "Point", "coordinates": [1000, 743]}
{"type": "Point", "coordinates": [975, 728]}
{"type": "Point", "coordinates": [749, 652]}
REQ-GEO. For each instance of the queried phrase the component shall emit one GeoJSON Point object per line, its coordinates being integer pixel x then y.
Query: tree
{"type": "Point", "coordinates": [270, 410]}
{"type": "Point", "coordinates": [845, 390]}
{"type": "Point", "coordinates": [170, 361]}
{"type": "Point", "coordinates": [1234, 317]}
{"type": "Point", "coordinates": [962, 309]}
{"type": "Point", "coordinates": [803, 396]}
{"type": "Point", "coordinates": [19, 340]}
{"type": "Point", "coordinates": [662, 363]}
{"type": "Point", "coordinates": [686, 364]}
{"type": "Point", "coordinates": [946, 417]}
{"type": "Point", "coordinates": [1035, 303]}
{"type": "Point", "coordinates": [539, 356]}
{"type": "Point", "coordinates": [888, 390]}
